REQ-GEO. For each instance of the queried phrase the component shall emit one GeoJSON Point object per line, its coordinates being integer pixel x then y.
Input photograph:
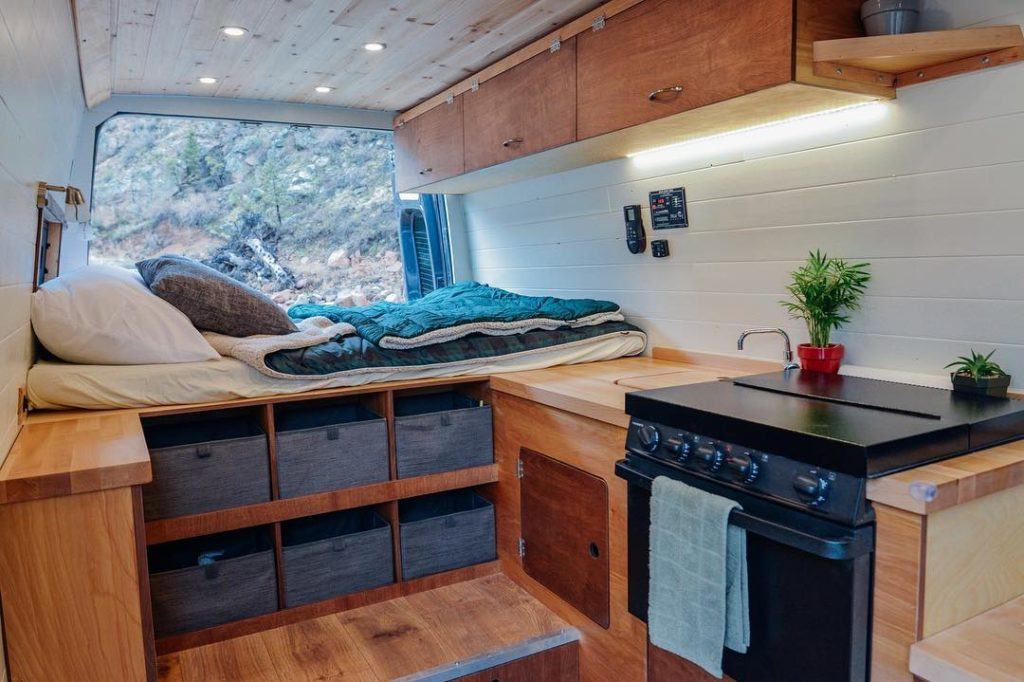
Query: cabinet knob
{"type": "Point", "coordinates": [512, 141]}
{"type": "Point", "coordinates": [426, 170]}
{"type": "Point", "coordinates": [674, 89]}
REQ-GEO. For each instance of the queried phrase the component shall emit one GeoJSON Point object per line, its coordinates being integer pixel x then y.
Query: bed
{"type": "Point", "coordinates": [59, 385]}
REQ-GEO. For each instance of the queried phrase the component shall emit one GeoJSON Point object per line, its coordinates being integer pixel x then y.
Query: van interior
{"type": "Point", "coordinates": [511, 340]}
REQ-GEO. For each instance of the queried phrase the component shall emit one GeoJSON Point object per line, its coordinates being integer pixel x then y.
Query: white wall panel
{"type": "Point", "coordinates": [931, 193]}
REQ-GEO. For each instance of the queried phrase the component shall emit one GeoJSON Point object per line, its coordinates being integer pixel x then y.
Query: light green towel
{"type": "Point", "coordinates": [698, 584]}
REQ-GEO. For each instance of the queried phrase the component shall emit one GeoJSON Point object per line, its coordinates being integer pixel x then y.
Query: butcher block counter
{"type": "Point", "coordinates": [950, 535]}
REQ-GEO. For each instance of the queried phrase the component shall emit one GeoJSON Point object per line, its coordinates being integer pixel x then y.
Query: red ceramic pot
{"type": "Point", "coordinates": [820, 359]}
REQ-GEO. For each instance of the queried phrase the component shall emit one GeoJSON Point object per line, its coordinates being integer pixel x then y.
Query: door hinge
{"type": "Point", "coordinates": [519, 468]}
{"type": "Point", "coordinates": [522, 548]}
{"type": "Point", "coordinates": [597, 24]}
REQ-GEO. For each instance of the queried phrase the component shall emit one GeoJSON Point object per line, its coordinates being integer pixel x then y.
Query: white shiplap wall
{"type": "Point", "coordinates": [41, 108]}
{"type": "Point", "coordinates": [931, 193]}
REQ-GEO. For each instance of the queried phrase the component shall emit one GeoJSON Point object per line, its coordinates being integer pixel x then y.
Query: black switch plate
{"type": "Point", "coordinates": [668, 209]}
{"type": "Point", "coordinates": [659, 248]}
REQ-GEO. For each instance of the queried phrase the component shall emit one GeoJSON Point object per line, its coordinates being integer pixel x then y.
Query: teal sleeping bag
{"type": "Point", "coordinates": [460, 310]}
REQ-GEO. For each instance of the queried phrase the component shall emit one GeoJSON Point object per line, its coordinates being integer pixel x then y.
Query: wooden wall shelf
{"type": "Point", "coordinates": [902, 60]}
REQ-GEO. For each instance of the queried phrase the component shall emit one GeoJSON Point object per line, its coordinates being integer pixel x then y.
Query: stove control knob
{"type": "Point", "coordinates": [679, 447]}
{"type": "Point", "coordinates": [812, 488]}
{"type": "Point", "coordinates": [743, 467]}
{"type": "Point", "coordinates": [709, 455]}
{"type": "Point", "coordinates": [649, 437]}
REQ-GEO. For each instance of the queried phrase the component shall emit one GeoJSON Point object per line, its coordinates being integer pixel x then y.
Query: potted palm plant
{"type": "Point", "coordinates": [978, 375]}
{"type": "Point", "coordinates": [824, 290]}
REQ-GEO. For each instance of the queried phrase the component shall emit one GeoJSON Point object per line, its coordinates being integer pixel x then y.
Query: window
{"type": "Point", "coordinates": [304, 214]}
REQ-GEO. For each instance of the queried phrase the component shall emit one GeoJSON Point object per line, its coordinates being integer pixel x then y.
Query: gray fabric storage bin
{"type": "Point", "coordinates": [445, 531]}
{"type": "Point", "coordinates": [438, 432]}
{"type": "Point", "coordinates": [205, 462]}
{"type": "Point", "coordinates": [202, 582]}
{"type": "Point", "coordinates": [328, 447]}
{"type": "Point", "coordinates": [333, 554]}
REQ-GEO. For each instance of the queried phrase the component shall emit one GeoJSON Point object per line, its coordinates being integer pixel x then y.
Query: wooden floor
{"type": "Point", "coordinates": [461, 628]}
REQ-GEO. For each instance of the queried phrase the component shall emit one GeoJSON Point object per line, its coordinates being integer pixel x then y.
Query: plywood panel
{"type": "Point", "coordinates": [898, 590]}
{"type": "Point", "coordinates": [566, 542]}
{"type": "Point", "coordinates": [69, 583]}
{"type": "Point", "coordinates": [975, 559]}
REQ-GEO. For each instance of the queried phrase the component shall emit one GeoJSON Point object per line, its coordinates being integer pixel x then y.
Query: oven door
{"type": "Point", "coordinates": [809, 583]}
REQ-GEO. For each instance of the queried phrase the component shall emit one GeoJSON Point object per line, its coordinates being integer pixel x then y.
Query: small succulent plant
{"type": "Point", "coordinates": [977, 366]}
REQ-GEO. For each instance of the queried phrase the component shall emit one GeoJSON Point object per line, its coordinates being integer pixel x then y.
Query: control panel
{"type": "Point", "coordinates": [826, 493]}
{"type": "Point", "coordinates": [636, 238]}
{"type": "Point", "coordinates": [668, 208]}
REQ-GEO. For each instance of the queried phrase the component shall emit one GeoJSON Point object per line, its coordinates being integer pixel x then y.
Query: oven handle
{"type": "Point", "coordinates": [859, 542]}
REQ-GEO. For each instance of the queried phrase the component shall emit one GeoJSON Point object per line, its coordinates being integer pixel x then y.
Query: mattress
{"type": "Point", "coordinates": [58, 385]}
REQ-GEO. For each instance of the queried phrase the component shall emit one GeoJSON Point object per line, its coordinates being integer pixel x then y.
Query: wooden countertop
{"type": "Point", "coordinates": [92, 452]}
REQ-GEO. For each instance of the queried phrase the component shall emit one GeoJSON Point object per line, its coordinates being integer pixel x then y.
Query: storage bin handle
{"type": "Point", "coordinates": [446, 419]}
{"type": "Point", "coordinates": [333, 433]}
{"type": "Point", "coordinates": [339, 544]}
{"type": "Point", "coordinates": [203, 451]}
{"type": "Point", "coordinates": [208, 560]}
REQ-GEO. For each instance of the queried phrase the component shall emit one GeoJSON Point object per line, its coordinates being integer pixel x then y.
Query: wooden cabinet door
{"type": "Point", "coordinates": [565, 532]}
{"type": "Point", "coordinates": [527, 109]}
{"type": "Point", "coordinates": [561, 664]}
{"type": "Point", "coordinates": [428, 148]}
{"type": "Point", "coordinates": [713, 49]}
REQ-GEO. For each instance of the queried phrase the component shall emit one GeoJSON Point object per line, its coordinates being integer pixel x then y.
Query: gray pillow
{"type": "Point", "coordinates": [212, 300]}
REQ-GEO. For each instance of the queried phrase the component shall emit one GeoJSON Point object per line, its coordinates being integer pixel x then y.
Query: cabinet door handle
{"type": "Point", "coordinates": [426, 170]}
{"type": "Point", "coordinates": [676, 89]}
{"type": "Point", "coordinates": [512, 141]}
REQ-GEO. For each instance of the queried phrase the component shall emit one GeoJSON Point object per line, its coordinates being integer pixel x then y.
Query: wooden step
{"type": "Point", "coordinates": [986, 647]}
{"type": "Point", "coordinates": [443, 634]}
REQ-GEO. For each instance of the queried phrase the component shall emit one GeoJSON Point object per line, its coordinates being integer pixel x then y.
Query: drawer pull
{"type": "Point", "coordinates": [512, 141]}
{"type": "Point", "coordinates": [426, 170]}
{"type": "Point", "coordinates": [208, 561]}
{"type": "Point", "coordinates": [203, 452]}
{"type": "Point", "coordinates": [333, 433]}
{"type": "Point", "coordinates": [675, 89]}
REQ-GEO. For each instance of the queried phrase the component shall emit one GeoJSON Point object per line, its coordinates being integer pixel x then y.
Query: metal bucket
{"type": "Point", "coordinates": [890, 17]}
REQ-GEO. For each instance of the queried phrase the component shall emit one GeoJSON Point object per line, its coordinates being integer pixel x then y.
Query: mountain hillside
{"type": "Point", "coordinates": [305, 214]}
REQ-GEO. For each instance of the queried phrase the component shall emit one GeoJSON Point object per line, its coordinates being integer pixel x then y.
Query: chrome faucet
{"type": "Point", "coordinates": [787, 354]}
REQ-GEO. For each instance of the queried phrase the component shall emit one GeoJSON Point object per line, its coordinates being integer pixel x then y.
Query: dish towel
{"type": "Point", "coordinates": [698, 583]}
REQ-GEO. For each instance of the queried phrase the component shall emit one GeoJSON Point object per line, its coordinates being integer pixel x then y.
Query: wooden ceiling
{"type": "Point", "coordinates": [164, 46]}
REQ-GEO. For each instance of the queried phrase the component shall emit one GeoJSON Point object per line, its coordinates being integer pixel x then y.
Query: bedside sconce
{"type": "Point", "coordinates": [73, 198]}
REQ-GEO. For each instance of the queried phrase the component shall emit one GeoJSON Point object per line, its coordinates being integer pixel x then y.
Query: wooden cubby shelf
{"type": "Point", "coordinates": [900, 60]}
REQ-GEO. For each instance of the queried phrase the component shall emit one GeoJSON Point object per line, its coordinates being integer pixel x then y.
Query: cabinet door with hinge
{"type": "Point", "coordinates": [662, 57]}
{"type": "Point", "coordinates": [527, 109]}
{"type": "Point", "coordinates": [428, 148]}
{"type": "Point", "coordinates": [564, 542]}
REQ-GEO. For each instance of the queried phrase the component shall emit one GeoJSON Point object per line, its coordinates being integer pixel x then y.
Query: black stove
{"type": "Point", "coordinates": [795, 450]}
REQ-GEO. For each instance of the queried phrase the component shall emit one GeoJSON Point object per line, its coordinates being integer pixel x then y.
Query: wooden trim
{"type": "Point", "coordinates": [177, 528]}
{"type": "Point", "coordinates": [966, 65]}
{"type": "Point", "coordinates": [219, 633]}
{"type": "Point", "coordinates": [929, 47]}
{"type": "Point", "coordinates": [145, 598]}
{"type": "Point", "coordinates": [573, 28]}
{"type": "Point", "coordinates": [855, 74]}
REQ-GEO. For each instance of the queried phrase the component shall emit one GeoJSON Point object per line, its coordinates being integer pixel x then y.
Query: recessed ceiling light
{"type": "Point", "coordinates": [374, 47]}
{"type": "Point", "coordinates": [207, 80]}
{"type": "Point", "coordinates": [233, 31]}
{"type": "Point", "coordinates": [323, 88]}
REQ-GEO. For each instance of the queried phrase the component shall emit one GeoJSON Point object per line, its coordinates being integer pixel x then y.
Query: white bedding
{"type": "Point", "coordinates": [58, 385]}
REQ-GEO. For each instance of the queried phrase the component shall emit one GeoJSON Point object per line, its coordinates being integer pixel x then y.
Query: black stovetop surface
{"type": "Point", "coordinates": [863, 427]}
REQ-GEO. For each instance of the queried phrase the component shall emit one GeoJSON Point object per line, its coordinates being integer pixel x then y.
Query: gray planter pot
{"type": "Point", "coordinates": [990, 386]}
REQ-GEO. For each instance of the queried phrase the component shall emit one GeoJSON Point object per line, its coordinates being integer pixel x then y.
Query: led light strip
{"type": "Point", "coordinates": [767, 133]}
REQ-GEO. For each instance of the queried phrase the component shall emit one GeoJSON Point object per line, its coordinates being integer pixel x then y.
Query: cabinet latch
{"type": "Point", "coordinates": [519, 468]}
{"type": "Point", "coordinates": [522, 548]}
{"type": "Point", "coordinates": [556, 45]}
{"type": "Point", "coordinates": [597, 24]}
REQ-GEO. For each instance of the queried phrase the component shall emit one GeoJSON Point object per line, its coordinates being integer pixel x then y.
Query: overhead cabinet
{"type": "Point", "coordinates": [524, 110]}
{"type": "Point", "coordinates": [428, 148]}
{"type": "Point", "coordinates": [663, 57]}
{"type": "Point", "coordinates": [627, 77]}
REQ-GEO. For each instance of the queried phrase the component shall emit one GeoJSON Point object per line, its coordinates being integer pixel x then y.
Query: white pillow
{"type": "Point", "coordinates": [103, 315]}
